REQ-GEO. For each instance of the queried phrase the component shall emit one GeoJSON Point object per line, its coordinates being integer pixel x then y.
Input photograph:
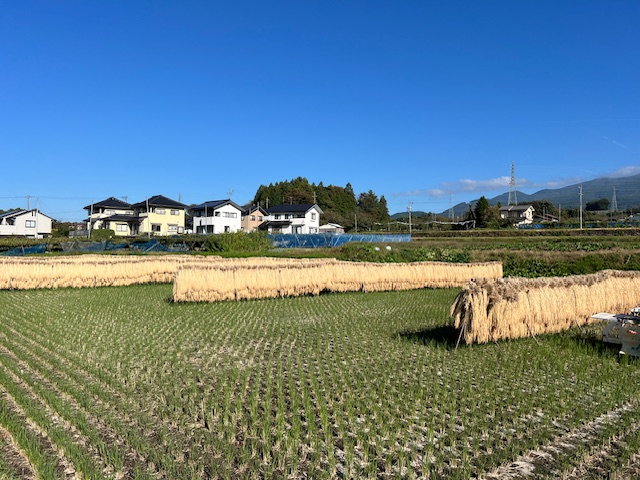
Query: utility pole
{"type": "Point", "coordinates": [409, 209]}
{"type": "Point", "coordinates": [580, 206]}
{"type": "Point", "coordinates": [451, 214]}
{"type": "Point", "coordinates": [559, 213]}
{"type": "Point", "coordinates": [37, 207]}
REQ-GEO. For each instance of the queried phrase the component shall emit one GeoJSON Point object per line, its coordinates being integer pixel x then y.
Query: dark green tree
{"type": "Point", "coordinates": [597, 205]}
{"type": "Point", "coordinates": [482, 212]}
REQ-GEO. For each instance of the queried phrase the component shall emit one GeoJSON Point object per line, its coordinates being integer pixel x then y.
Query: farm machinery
{"type": "Point", "coordinates": [622, 329]}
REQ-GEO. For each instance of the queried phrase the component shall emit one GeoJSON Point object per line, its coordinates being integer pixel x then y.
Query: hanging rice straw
{"type": "Point", "coordinates": [503, 308]}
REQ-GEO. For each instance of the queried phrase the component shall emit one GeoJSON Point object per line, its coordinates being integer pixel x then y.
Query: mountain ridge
{"type": "Point", "coordinates": [627, 195]}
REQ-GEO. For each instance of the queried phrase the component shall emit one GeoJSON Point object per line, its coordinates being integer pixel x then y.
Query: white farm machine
{"type": "Point", "coordinates": [622, 329]}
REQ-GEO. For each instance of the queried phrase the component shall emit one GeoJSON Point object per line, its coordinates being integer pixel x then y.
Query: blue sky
{"type": "Point", "coordinates": [419, 101]}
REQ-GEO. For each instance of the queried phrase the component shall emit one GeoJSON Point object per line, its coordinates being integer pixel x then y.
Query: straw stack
{"type": "Point", "coordinates": [238, 281]}
{"type": "Point", "coordinates": [490, 310]}
{"type": "Point", "coordinates": [25, 273]}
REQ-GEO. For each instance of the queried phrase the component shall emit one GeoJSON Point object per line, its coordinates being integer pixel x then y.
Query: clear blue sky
{"type": "Point", "coordinates": [415, 100]}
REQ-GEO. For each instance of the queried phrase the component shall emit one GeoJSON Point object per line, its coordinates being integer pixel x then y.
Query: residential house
{"type": "Point", "coordinates": [159, 215]}
{"type": "Point", "coordinates": [293, 218]}
{"type": "Point", "coordinates": [252, 217]}
{"type": "Point", "coordinates": [217, 216]}
{"type": "Point", "coordinates": [114, 214]}
{"type": "Point", "coordinates": [25, 223]}
{"type": "Point", "coordinates": [518, 214]}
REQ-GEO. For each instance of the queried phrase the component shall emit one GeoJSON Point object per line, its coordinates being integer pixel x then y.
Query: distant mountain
{"type": "Point", "coordinates": [627, 195]}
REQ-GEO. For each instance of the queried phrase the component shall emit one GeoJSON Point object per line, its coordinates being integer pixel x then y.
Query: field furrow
{"type": "Point", "coordinates": [562, 450]}
{"type": "Point", "coordinates": [14, 462]}
{"type": "Point", "coordinates": [122, 426]}
{"type": "Point", "coordinates": [45, 456]}
{"type": "Point", "coordinates": [344, 385]}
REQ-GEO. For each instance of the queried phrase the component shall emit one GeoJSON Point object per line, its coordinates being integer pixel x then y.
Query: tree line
{"type": "Point", "coordinates": [339, 204]}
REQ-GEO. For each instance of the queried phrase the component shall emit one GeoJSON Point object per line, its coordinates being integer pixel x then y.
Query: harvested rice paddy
{"type": "Point", "coordinates": [119, 382]}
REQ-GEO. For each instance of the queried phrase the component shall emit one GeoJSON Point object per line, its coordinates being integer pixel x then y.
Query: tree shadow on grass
{"type": "Point", "coordinates": [443, 336]}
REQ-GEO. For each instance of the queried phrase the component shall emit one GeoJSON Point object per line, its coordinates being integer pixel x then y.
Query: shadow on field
{"type": "Point", "coordinates": [444, 335]}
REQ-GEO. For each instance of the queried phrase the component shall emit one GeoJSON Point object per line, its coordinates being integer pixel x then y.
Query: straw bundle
{"type": "Point", "coordinates": [26, 273]}
{"type": "Point", "coordinates": [488, 310]}
{"type": "Point", "coordinates": [215, 282]}
{"type": "Point", "coordinates": [90, 270]}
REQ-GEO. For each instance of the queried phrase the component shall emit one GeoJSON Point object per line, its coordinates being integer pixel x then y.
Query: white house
{"type": "Point", "coordinates": [294, 218]}
{"type": "Point", "coordinates": [332, 228]}
{"type": "Point", "coordinates": [217, 216]}
{"type": "Point", "coordinates": [25, 223]}
{"type": "Point", "coordinates": [519, 214]}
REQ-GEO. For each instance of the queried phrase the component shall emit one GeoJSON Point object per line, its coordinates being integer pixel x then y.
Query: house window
{"type": "Point", "coordinates": [277, 216]}
{"type": "Point", "coordinates": [30, 224]}
{"type": "Point", "coordinates": [230, 214]}
{"type": "Point", "coordinates": [175, 212]}
{"type": "Point", "coordinates": [253, 218]}
{"type": "Point", "coordinates": [259, 218]}
{"type": "Point", "coordinates": [227, 229]}
{"type": "Point", "coordinates": [110, 212]}
{"type": "Point", "coordinates": [286, 216]}
{"type": "Point", "coordinates": [155, 227]}
{"type": "Point", "coordinates": [217, 214]}
{"type": "Point", "coordinates": [121, 227]}
{"type": "Point", "coordinates": [173, 228]}
{"type": "Point", "coordinates": [313, 216]}
{"type": "Point", "coordinates": [160, 211]}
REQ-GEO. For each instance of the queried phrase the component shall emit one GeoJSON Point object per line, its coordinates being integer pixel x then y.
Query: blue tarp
{"type": "Point", "coordinates": [19, 251]}
{"type": "Point", "coordinates": [324, 240]}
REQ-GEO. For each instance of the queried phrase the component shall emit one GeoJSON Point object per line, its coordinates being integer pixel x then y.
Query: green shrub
{"type": "Point", "coordinates": [100, 234]}
{"type": "Point", "coordinates": [237, 242]}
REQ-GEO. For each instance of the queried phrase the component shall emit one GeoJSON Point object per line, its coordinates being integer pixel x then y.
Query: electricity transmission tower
{"type": "Point", "coordinates": [614, 201]}
{"type": "Point", "coordinates": [513, 196]}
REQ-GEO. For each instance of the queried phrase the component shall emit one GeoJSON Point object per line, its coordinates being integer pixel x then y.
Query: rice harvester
{"type": "Point", "coordinates": [622, 329]}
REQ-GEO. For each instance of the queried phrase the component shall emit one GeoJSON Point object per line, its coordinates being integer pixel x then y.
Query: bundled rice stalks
{"type": "Point", "coordinates": [238, 281]}
{"type": "Point", "coordinates": [88, 270]}
{"type": "Point", "coordinates": [489, 310]}
{"type": "Point", "coordinates": [26, 273]}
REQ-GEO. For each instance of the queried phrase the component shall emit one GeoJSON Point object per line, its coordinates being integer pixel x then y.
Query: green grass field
{"type": "Point", "coordinates": [121, 383]}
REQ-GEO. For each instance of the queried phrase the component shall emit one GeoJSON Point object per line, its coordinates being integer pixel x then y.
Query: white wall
{"type": "Point", "coordinates": [28, 224]}
{"type": "Point", "coordinates": [224, 219]}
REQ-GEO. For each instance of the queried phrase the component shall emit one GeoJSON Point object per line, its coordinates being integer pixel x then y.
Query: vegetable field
{"type": "Point", "coordinates": [118, 382]}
